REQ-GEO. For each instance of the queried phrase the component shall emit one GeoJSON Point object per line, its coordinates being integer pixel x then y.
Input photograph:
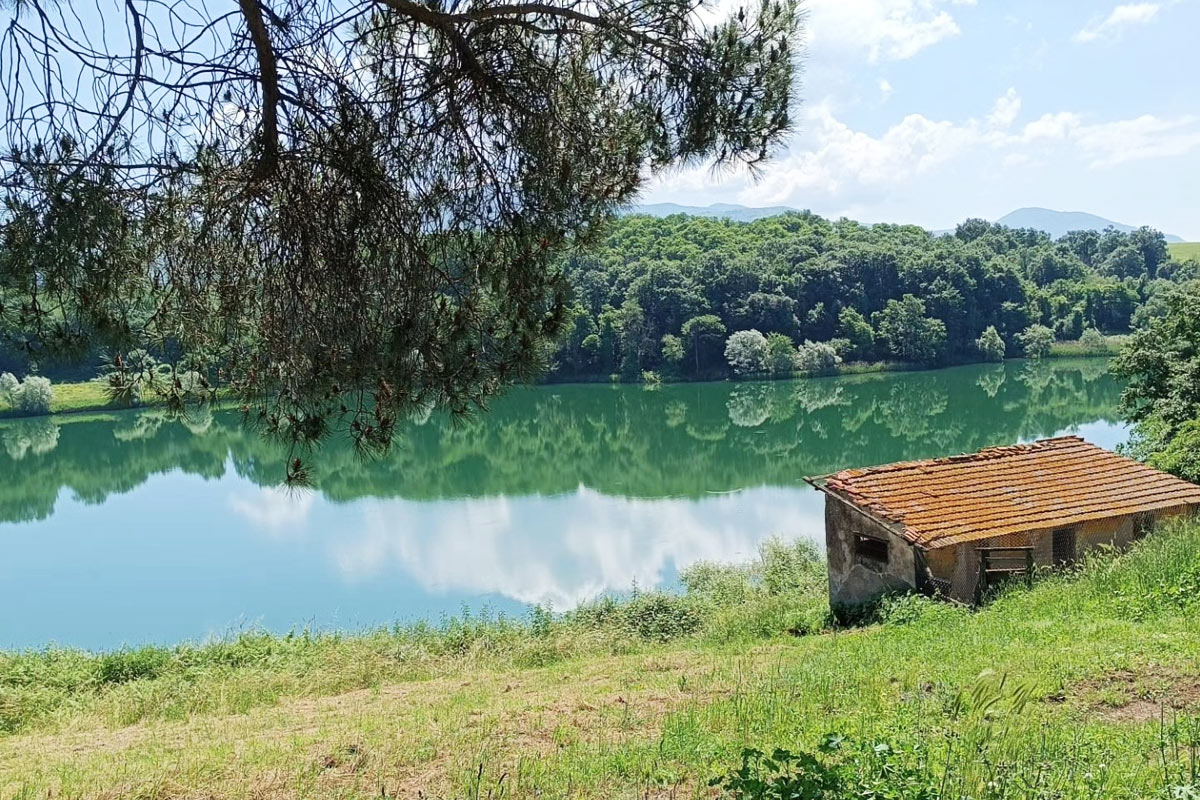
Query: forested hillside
{"type": "Point", "coordinates": [666, 294]}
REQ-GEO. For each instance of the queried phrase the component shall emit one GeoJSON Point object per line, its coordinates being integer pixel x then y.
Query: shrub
{"type": "Point", "coordinates": [746, 352]}
{"type": "Point", "coordinates": [842, 346]}
{"type": "Point", "coordinates": [35, 395]}
{"type": "Point", "coordinates": [1093, 342]}
{"type": "Point", "coordinates": [789, 568]}
{"type": "Point", "coordinates": [991, 344]}
{"type": "Point", "coordinates": [817, 358]}
{"type": "Point", "coordinates": [723, 584]}
{"type": "Point", "coordinates": [1036, 341]}
{"type": "Point", "coordinates": [122, 666]}
{"type": "Point", "coordinates": [660, 617]}
{"type": "Point", "coordinates": [651, 379]}
{"type": "Point", "coordinates": [854, 328]}
{"type": "Point", "coordinates": [672, 348]}
{"type": "Point", "coordinates": [908, 333]}
{"type": "Point", "coordinates": [781, 356]}
{"type": "Point", "coordinates": [8, 387]}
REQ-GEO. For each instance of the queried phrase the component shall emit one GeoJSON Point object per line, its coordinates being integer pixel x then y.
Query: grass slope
{"type": "Point", "coordinates": [1080, 687]}
{"type": "Point", "coordinates": [71, 397]}
{"type": "Point", "coordinates": [1182, 251]}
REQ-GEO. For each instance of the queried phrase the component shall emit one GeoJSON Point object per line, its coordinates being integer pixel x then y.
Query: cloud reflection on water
{"type": "Point", "coordinates": [566, 549]}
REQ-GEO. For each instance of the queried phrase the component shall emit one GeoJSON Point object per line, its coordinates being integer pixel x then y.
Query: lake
{"type": "Point", "coordinates": [131, 527]}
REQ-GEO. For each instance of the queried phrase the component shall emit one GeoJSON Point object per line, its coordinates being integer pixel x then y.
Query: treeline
{"type": "Point", "coordinates": [667, 294]}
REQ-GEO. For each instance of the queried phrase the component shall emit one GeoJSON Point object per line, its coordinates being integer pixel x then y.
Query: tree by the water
{"type": "Point", "coordinates": [349, 210]}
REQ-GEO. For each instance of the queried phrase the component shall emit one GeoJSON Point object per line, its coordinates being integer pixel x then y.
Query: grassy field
{"type": "Point", "coordinates": [1080, 687]}
{"type": "Point", "coordinates": [71, 397]}
{"type": "Point", "coordinates": [1076, 349]}
{"type": "Point", "coordinates": [1182, 251]}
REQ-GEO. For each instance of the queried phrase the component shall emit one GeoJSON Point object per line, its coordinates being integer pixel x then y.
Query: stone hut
{"type": "Point", "coordinates": [956, 525]}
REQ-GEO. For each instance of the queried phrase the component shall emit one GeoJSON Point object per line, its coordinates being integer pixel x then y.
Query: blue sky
{"type": "Point", "coordinates": [932, 111]}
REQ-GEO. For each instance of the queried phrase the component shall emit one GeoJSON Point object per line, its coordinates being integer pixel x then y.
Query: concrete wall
{"type": "Point", "coordinates": [959, 564]}
{"type": "Point", "coordinates": [854, 580]}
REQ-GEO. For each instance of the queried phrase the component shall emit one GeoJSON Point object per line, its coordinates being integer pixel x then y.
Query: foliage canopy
{"type": "Point", "coordinates": [350, 211]}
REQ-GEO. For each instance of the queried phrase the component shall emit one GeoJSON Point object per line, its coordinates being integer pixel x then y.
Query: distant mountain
{"type": "Point", "coordinates": [720, 210]}
{"type": "Point", "coordinates": [1059, 223]}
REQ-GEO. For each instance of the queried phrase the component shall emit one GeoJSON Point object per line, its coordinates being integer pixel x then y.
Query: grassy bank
{"type": "Point", "coordinates": [1112, 346]}
{"type": "Point", "coordinates": [1080, 687]}
{"type": "Point", "coordinates": [71, 397]}
{"type": "Point", "coordinates": [1182, 251]}
{"type": "Point", "coordinates": [79, 396]}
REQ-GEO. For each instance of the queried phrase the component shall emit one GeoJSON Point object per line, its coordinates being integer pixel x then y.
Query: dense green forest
{"type": "Point", "coordinates": [666, 294]}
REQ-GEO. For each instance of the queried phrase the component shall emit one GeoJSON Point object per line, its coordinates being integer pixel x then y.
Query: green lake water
{"type": "Point", "coordinates": [129, 527]}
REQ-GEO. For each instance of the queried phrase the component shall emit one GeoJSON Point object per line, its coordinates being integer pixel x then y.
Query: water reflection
{"type": "Point", "coordinates": [566, 549]}
{"type": "Point", "coordinates": [136, 527]}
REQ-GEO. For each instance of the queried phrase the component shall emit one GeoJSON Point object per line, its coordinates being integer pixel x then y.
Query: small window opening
{"type": "Point", "coordinates": [870, 548]}
{"type": "Point", "coordinates": [1143, 524]}
{"type": "Point", "coordinates": [1062, 547]}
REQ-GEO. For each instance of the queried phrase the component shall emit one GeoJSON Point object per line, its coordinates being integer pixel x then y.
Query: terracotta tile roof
{"type": "Point", "coordinates": [1000, 490]}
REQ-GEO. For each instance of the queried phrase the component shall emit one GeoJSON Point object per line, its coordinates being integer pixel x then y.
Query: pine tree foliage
{"type": "Point", "coordinates": [348, 211]}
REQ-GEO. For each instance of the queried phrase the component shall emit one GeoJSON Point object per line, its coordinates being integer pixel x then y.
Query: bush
{"type": "Point", "coordinates": [1036, 341]}
{"type": "Point", "coordinates": [792, 568]}
{"type": "Point", "coordinates": [746, 352]}
{"type": "Point", "coordinates": [991, 344]}
{"type": "Point", "coordinates": [653, 616]}
{"type": "Point", "coordinates": [660, 617]}
{"type": "Point", "coordinates": [1093, 342]}
{"type": "Point", "coordinates": [122, 666]}
{"type": "Point", "coordinates": [34, 395]}
{"type": "Point", "coordinates": [854, 328]}
{"type": "Point", "coordinates": [723, 584]}
{"type": "Point", "coordinates": [781, 356]}
{"type": "Point", "coordinates": [817, 358]}
{"type": "Point", "coordinates": [8, 387]}
{"type": "Point", "coordinates": [672, 348]}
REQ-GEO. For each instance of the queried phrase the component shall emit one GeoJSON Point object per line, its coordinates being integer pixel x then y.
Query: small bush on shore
{"type": "Point", "coordinates": [8, 387]}
{"type": "Point", "coordinates": [34, 396]}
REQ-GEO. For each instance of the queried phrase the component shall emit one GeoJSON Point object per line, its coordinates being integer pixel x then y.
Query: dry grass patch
{"type": "Point", "coordinates": [397, 740]}
{"type": "Point", "coordinates": [1135, 696]}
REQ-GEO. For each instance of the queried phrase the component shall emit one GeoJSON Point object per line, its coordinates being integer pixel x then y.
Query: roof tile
{"type": "Point", "coordinates": [1009, 489]}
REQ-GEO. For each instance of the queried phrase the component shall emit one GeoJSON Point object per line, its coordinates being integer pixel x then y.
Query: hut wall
{"type": "Point", "coordinates": [959, 564]}
{"type": "Point", "coordinates": [860, 572]}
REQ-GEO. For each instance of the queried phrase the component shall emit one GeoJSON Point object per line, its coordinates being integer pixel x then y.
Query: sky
{"type": "Point", "coordinates": [933, 111]}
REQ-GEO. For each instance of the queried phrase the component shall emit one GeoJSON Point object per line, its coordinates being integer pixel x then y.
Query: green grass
{"type": "Point", "coordinates": [72, 397]}
{"type": "Point", "coordinates": [1076, 349]}
{"type": "Point", "coordinates": [1080, 687]}
{"type": "Point", "coordinates": [82, 396]}
{"type": "Point", "coordinates": [1182, 251]}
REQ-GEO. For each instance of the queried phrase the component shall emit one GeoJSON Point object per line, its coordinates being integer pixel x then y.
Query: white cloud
{"type": "Point", "coordinates": [1106, 144]}
{"type": "Point", "coordinates": [836, 169]}
{"type": "Point", "coordinates": [885, 29]}
{"type": "Point", "coordinates": [1006, 109]}
{"type": "Point", "coordinates": [1147, 136]}
{"type": "Point", "coordinates": [885, 88]}
{"type": "Point", "coordinates": [842, 162]}
{"type": "Point", "coordinates": [273, 510]}
{"type": "Point", "coordinates": [1121, 17]}
{"type": "Point", "coordinates": [1050, 127]}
